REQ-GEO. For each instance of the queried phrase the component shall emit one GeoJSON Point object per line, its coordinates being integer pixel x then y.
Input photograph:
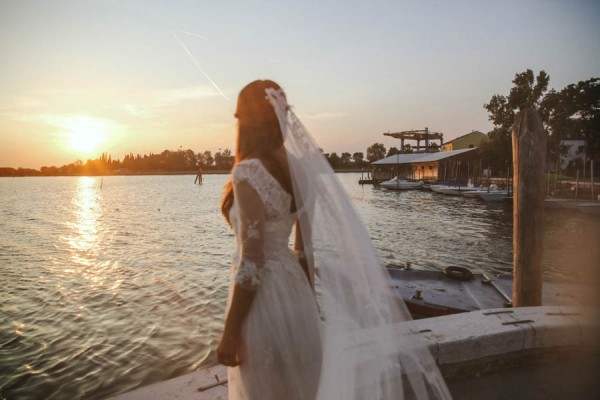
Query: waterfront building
{"type": "Point", "coordinates": [429, 167]}
{"type": "Point", "coordinates": [470, 140]}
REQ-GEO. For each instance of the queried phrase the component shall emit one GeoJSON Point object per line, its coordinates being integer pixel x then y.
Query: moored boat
{"type": "Point", "coordinates": [457, 289]}
{"type": "Point", "coordinates": [453, 189]}
{"type": "Point", "coordinates": [499, 195]}
{"type": "Point", "coordinates": [401, 184]}
{"type": "Point", "coordinates": [475, 193]}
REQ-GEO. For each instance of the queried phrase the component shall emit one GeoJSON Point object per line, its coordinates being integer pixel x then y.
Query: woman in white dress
{"type": "Point", "coordinates": [357, 343]}
{"type": "Point", "coordinates": [272, 332]}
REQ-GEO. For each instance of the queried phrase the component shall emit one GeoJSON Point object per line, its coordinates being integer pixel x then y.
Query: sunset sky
{"type": "Point", "coordinates": [79, 78]}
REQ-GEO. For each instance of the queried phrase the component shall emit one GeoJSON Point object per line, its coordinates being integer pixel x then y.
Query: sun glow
{"type": "Point", "coordinates": [85, 134]}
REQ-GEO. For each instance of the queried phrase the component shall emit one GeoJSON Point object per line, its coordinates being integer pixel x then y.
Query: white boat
{"type": "Point", "coordinates": [452, 190]}
{"type": "Point", "coordinates": [498, 195]}
{"type": "Point", "coordinates": [401, 184]}
{"type": "Point", "coordinates": [493, 188]}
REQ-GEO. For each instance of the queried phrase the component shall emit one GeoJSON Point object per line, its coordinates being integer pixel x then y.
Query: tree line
{"type": "Point", "coordinates": [168, 161]}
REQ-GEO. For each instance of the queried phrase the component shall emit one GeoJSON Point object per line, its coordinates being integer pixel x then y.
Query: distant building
{"type": "Point", "coordinates": [443, 165]}
{"type": "Point", "coordinates": [468, 141]}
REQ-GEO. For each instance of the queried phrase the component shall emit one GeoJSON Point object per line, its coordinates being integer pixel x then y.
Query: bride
{"type": "Point", "coordinates": [319, 320]}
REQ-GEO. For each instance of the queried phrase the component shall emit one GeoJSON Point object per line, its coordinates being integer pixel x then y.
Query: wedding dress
{"type": "Point", "coordinates": [357, 341]}
{"type": "Point", "coordinates": [281, 333]}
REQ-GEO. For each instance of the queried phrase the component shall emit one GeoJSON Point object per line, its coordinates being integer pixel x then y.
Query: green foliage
{"type": "Point", "coordinates": [224, 159]}
{"type": "Point", "coordinates": [571, 113]}
{"type": "Point", "coordinates": [334, 160]}
{"type": "Point", "coordinates": [358, 158]}
{"type": "Point", "coordinates": [527, 92]}
{"type": "Point", "coordinates": [496, 152]}
{"type": "Point", "coordinates": [375, 152]}
{"type": "Point", "coordinates": [574, 113]}
{"type": "Point", "coordinates": [167, 161]}
{"type": "Point", "coordinates": [393, 151]}
{"type": "Point", "coordinates": [205, 160]}
{"type": "Point", "coordinates": [346, 159]}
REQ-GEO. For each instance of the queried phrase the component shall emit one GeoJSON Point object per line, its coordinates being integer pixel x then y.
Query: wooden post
{"type": "Point", "coordinates": [577, 186]}
{"type": "Point", "coordinates": [529, 158]}
{"type": "Point", "coordinates": [592, 178]}
{"type": "Point", "coordinates": [556, 177]}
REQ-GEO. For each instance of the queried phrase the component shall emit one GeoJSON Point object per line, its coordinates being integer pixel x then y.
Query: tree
{"type": "Point", "coordinates": [358, 158]}
{"type": "Point", "coordinates": [527, 91]}
{"type": "Point", "coordinates": [496, 152]}
{"type": "Point", "coordinates": [224, 159]}
{"type": "Point", "coordinates": [375, 152]}
{"type": "Point", "coordinates": [346, 158]}
{"type": "Point", "coordinates": [393, 151]}
{"type": "Point", "coordinates": [205, 159]}
{"type": "Point", "coordinates": [574, 113]}
{"type": "Point", "coordinates": [190, 160]}
{"type": "Point", "coordinates": [334, 160]}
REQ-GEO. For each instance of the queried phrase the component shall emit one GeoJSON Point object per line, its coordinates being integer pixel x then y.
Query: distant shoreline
{"type": "Point", "coordinates": [141, 173]}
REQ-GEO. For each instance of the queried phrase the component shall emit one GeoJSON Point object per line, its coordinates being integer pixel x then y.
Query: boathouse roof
{"type": "Point", "coordinates": [420, 157]}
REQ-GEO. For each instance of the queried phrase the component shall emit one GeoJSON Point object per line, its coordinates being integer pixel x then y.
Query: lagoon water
{"type": "Point", "coordinates": [112, 283]}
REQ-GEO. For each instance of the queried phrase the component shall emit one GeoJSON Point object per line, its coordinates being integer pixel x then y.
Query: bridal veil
{"type": "Point", "coordinates": [370, 350]}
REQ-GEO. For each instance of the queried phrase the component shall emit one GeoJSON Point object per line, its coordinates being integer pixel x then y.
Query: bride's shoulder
{"type": "Point", "coordinates": [247, 169]}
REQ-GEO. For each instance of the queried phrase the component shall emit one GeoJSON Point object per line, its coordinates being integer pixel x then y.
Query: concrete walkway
{"type": "Point", "coordinates": [455, 341]}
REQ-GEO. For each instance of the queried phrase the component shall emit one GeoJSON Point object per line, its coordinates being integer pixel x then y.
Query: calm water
{"type": "Point", "coordinates": [105, 290]}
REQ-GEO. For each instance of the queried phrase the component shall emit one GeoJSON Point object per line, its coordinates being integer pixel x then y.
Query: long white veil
{"type": "Point", "coordinates": [370, 350]}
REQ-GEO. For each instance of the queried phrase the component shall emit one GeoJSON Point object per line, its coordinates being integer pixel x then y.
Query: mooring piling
{"type": "Point", "coordinates": [529, 158]}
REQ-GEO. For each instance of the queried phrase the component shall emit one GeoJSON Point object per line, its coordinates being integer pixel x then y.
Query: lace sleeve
{"type": "Point", "coordinates": [251, 220]}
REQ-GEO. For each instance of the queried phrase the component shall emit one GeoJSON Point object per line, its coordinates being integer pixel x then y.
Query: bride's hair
{"type": "Point", "coordinates": [259, 136]}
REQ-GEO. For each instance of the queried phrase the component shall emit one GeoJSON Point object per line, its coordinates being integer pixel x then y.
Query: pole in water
{"type": "Point", "coordinates": [198, 179]}
{"type": "Point", "coordinates": [101, 182]}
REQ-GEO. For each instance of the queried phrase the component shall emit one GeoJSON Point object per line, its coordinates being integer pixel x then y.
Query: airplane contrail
{"type": "Point", "coordinates": [198, 65]}
{"type": "Point", "coordinates": [194, 35]}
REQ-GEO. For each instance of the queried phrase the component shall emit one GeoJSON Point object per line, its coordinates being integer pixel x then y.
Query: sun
{"type": "Point", "coordinates": [85, 134]}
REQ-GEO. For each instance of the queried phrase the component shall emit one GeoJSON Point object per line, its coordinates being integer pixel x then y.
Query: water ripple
{"type": "Point", "coordinates": [105, 290]}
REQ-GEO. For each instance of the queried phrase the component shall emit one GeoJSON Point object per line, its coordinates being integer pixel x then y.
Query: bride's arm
{"type": "Point", "coordinates": [251, 218]}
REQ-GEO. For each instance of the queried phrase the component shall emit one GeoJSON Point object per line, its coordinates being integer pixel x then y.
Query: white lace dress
{"type": "Point", "coordinates": [282, 330]}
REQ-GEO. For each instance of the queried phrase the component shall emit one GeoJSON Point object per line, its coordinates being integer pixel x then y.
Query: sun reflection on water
{"type": "Point", "coordinates": [85, 224]}
{"type": "Point", "coordinates": [86, 231]}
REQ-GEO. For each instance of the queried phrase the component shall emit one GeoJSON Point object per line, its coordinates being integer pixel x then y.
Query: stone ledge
{"type": "Point", "coordinates": [487, 333]}
{"type": "Point", "coordinates": [184, 387]}
{"type": "Point", "coordinates": [454, 341]}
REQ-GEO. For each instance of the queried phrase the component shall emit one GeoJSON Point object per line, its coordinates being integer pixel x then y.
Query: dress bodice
{"type": "Point", "coordinates": [261, 220]}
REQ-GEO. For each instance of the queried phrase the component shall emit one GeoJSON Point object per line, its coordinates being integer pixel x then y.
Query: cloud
{"type": "Point", "coordinates": [156, 100]}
